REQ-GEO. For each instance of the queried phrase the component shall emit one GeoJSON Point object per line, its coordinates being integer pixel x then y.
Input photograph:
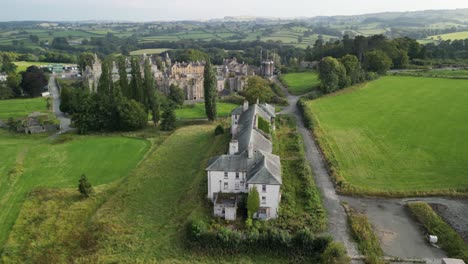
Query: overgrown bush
{"type": "Point", "coordinates": [367, 241]}
{"type": "Point", "coordinates": [221, 239]}
{"type": "Point", "coordinates": [219, 130]}
{"type": "Point", "coordinates": [264, 125]}
{"type": "Point", "coordinates": [306, 114]}
{"type": "Point", "coordinates": [335, 253]}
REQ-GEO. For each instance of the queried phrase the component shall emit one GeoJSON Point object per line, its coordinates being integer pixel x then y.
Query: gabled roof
{"type": "Point", "coordinates": [267, 170]}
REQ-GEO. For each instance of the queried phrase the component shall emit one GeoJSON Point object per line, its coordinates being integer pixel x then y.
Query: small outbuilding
{"type": "Point", "coordinates": [225, 206]}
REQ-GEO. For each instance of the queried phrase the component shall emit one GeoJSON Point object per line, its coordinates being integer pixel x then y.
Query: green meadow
{"type": "Point", "coordinates": [28, 162]}
{"type": "Point", "coordinates": [300, 83]}
{"type": "Point", "coordinates": [396, 136]}
{"type": "Point", "coordinates": [21, 107]}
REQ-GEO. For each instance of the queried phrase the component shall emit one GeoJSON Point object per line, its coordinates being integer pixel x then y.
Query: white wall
{"type": "Point", "coordinates": [272, 195]}
{"type": "Point", "coordinates": [215, 177]}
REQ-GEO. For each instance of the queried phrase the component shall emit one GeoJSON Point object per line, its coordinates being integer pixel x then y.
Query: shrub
{"type": "Point", "coordinates": [219, 130]}
{"type": "Point", "coordinates": [306, 114]}
{"type": "Point", "coordinates": [84, 187]}
{"type": "Point", "coordinates": [335, 254]}
{"type": "Point", "coordinates": [264, 125]}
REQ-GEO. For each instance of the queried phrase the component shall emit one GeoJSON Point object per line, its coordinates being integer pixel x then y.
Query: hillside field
{"type": "Point", "coordinates": [300, 83]}
{"type": "Point", "coordinates": [34, 161]}
{"type": "Point", "coordinates": [450, 36]}
{"type": "Point", "coordinates": [397, 136]}
{"type": "Point", "coordinates": [21, 107]}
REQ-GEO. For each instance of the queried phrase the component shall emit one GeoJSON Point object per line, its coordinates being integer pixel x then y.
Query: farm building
{"type": "Point", "coordinates": [249, 164]}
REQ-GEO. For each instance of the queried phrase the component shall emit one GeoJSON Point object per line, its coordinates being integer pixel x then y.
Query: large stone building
{"type": "Point", "coordinates": [231, 76]}
{"type": "Point", "coordinates": [249, 164]}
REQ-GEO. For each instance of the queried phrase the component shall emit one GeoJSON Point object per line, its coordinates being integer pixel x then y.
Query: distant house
{"type": "Point", "coordinates": [249, 163]}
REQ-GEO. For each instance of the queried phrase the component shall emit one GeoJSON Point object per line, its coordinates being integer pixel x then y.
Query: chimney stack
{"type": "Point", "coordinates": [233, 147]}
{"type": "Point", "coordinates": [246, 105]}
{"type": "Point", "coordinates": [250, 151]}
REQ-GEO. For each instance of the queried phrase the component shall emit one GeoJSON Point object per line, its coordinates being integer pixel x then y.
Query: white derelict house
{"type": "Point", "coordinates": [249, 163]}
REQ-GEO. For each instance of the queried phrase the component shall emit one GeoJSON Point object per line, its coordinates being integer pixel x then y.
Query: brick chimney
{"type": "Point", "coordinates": [233, 147]}
{"type": "Point", "coordinates": [250, 151]}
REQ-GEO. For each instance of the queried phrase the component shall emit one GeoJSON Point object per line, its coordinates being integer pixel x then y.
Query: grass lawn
{"type": "Point", "coordinates": [397, 136]}
{"type": "Point", "coordinates": [21, 107]}
{"type": "Point", "coordinates": [300, 83]}
{"type": "Point", "coordinates": [197, 111]}
{"type": "Point", "coordinates": [34, 161]}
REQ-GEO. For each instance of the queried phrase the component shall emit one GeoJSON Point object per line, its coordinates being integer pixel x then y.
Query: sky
{"type": "Point", "coordinates": [157, 10]}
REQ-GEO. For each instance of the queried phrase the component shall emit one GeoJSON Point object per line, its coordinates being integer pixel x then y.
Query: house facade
{"type": "Point", "coordinates": [248, 164]}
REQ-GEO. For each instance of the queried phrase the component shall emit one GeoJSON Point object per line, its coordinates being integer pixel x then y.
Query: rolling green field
{"type": "Point", "coordinates": [300, 83]}
{"type": "Point", "coordinates": [397, 136]}
{"type": "Point", "coordinates": [34, 161]}
{"type": "Point", "coordinates": [451, 36]}
{"type": "Point", "coordinates": [197, 111]}
{"type": "Point", "coordinates": [21, 107]}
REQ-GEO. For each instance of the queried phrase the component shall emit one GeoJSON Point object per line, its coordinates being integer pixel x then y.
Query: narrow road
{"type": "Point", "coordinates": [54, 92]}
{"type": "Point", "coordinates": [337, 219]}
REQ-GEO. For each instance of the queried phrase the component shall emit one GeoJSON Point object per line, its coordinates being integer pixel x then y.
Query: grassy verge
{"type": "Point", "coordinates": [367, 241]}
{"type": "Point", "coordinates": [449, 240]}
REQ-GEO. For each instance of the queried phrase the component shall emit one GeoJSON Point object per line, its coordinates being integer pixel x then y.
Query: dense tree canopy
{"type": "Point", "coordinates": [33, 81]}
{"type": "Point", "coordinates": [259, 89]}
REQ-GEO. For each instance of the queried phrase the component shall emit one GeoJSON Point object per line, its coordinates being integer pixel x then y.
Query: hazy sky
{"type": "Point", "coordinates": [150, 10]}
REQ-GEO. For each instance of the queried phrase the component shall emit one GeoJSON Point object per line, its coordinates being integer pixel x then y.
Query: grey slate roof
{"type": "Point", "coordinates": [263, 167]}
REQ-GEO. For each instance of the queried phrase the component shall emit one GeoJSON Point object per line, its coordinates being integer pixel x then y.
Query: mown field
{"type": "Point", "coordinates": [21, 107]}
{"type": "Point", "coordinates": [300, 83]}
{"type": "Point", "coordinates": [34, 161]}
{"type": "Point", "coordinates": [396, 136]}
{"type": "Point", "coordinates": [197, 111]}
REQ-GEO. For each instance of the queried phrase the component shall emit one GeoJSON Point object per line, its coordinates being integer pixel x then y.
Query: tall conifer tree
{"type": "Point", "coordinates": [123, 79]}
{"type": "Point", "coordinates": [210, 91]}
{"type": "Point", "coordinates": [152, 104]}
{"type": "Point", "coordinates": [136, 84]}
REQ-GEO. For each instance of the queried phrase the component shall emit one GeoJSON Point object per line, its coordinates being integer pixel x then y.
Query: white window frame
{"type": "Point", "coordinates": [237, 176]}
{"type": "Point", "coordinates": [264, 188]}
{"type": "Point", "coordinates": [226, 186]}
{"type": "Point", "coordinates": [263, 199]}
{"type": "Point", "coordinates": [237, 186]}
{"type": "Point", "coordinates": [226, 175]}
